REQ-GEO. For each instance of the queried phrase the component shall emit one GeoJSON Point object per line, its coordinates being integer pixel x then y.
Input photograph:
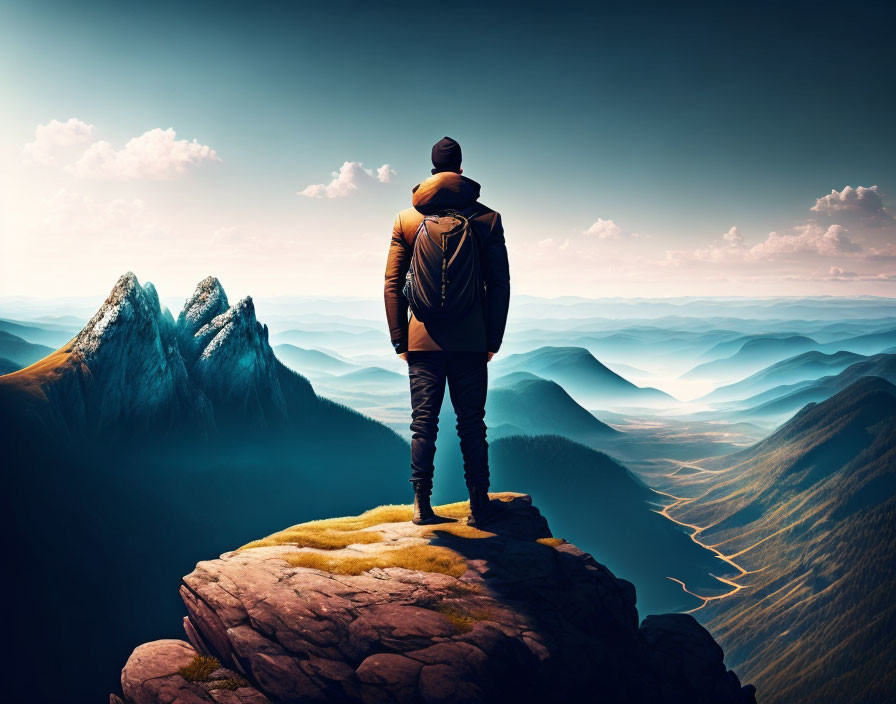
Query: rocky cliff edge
{"type": "Point", "coordinates": [374, 609]}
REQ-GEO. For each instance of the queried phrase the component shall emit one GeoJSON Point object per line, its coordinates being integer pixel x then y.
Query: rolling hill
{"type": "Point", "coordinates": [19, 351]}
{"type": "Point", "coordinates": [311, 362]}
{"type": "Point", "coordinates": [802, 367]}
{"type": "Point", "coordinates": [809, 517]}
{"type": "Point", "coordinates": [582, 376]}
{"type": "Point", "coordinates": [534, 406]}
{"type": "Point", "coordinates": [751, 356]}
{"type": "Point", "coordinates": [785, 400]}
{"type": "Point", "coordinates": [52, 333]}
{"type": "Point", "coordinates": [374, 376]}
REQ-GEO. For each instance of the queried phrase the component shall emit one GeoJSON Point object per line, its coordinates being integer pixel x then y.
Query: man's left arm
{"type": "Point", "coordinates": [497, 280]}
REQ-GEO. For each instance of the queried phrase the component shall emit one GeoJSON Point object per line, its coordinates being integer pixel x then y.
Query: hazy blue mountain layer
{"type": "Point", "coordinates": [582, 376]}
{"type": "Point", "coordinates": [19, 351]}
{"type": "Point", "coordinates": [786, 400]}
{"type": "Point", "coordinates": [310, 362]}
{"type": "Point", "coordinates": [802, 367]}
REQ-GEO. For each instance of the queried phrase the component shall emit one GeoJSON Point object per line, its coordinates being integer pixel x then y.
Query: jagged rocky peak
{"type": "Point", "coordinates": [232, 361]}
{"type": "Point", "coordinates": [235, 326]}
{"type": "Point", "coordinates": [208, 301]}
{"type": "Point", "coordinates": [375, 609]}
{"type": "Point", "coordinates": [136, 370]}
{"type": "Point", "coordinates": [130, 309]}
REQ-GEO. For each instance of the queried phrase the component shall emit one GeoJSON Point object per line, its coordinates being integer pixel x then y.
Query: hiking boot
{"type": "Point", "coordinates": [423, 513]}
{"type": "Point", "coordinates": [482, 508]}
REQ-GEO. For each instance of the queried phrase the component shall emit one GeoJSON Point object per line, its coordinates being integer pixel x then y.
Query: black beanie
{"type": "Point", "coordinates": [446, 155]}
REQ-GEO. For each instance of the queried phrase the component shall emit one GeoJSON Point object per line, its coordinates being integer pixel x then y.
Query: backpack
{"type": "Point", "coordinates": [444, 280]}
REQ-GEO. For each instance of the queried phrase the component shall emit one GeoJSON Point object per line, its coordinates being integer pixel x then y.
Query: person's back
{"type": "Point", "coordinates": [452, 349]}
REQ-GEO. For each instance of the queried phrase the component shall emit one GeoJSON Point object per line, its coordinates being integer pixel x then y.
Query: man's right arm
{"type": "Point", "coordinates": [397, 265]}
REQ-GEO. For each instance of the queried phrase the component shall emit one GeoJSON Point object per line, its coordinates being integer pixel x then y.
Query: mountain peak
{"type": "Point", "coordinates": [239, 317]}
{"type": "Point", "coordinates": [374, 608]}
{"type": "Point", "coordinates": [128, 305]}
{"type": "Point", "coordinates": [208, 300]}
{"type": "Point", "coordinates": [232, 361]}
{"type": "Point", "coordinates": [207, 303]}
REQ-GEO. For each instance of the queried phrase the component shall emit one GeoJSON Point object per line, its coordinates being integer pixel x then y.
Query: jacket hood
{"type": "Point", "coordinates": [443, 191]}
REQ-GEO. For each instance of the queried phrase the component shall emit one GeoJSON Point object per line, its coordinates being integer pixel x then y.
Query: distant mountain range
{"type": "Point", "coordinates": [582, 376]}
{"type": "Point", "coordinates": [19, 352]}
{"type": "Point", "coordinates": [757, 351]}
{"type": "Point", "coordinates": [754, 353]}
{"type": "Point", "coordinates": [52, 333]}
{"type": "Point", "coordinates": [309, 362]}
{"type": "Point", "coordinates": [802, 367]}
{"type": "Point", "coordinates": [350, 341]}
{"type": "Point", "coordinates": [787, 399]}
{"type": "Point", "coordinates": [809, 514]}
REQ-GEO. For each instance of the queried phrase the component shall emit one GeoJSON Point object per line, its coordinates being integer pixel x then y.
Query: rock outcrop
{"type": "Point", "coordinates": [374, 609]}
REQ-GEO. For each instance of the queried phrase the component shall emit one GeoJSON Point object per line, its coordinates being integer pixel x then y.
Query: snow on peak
{"type": "Point", "coordinates": [238, 317]}
{"type": "Point", "coordinates": [128, 302]}
{"type": "Point", "coordinates": [207, 301]}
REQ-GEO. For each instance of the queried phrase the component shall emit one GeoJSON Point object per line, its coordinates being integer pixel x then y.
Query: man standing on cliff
{"type": "Point", "coordinates": [448, 264]}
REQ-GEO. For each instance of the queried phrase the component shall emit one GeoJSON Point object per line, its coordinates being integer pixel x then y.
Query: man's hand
{"type": "Point", "coordinates": [490, 355]}
{"type": "Point", "coordinates": [404, 356]}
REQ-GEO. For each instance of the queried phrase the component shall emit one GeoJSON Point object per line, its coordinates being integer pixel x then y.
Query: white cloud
{"type": "Point", "coordinates": [807, 238]}
{"type": "Point", "coordinates": [730, 248]}
{"type": "Point", "coordinates": [347, 180]}
{"type": "Point", "coordinates": [733, 237]}
{"type": "Point", "coordinates": [604, 229]}
{"type": "Point", "coordinates": [69, 214]}
{"type": "Point", "coordinates": [855, 200]}
{"type": "Point", "coordinates": [55, 136]}
{"type": "Point", "coordinates": [385, 173]}
{"type": "Point", "coordinates": [155, 154]}
{"type": "Point", "coordinates": [837, 272]}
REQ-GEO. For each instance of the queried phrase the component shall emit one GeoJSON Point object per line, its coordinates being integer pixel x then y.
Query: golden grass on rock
{"type": "Point", "coordinates": [232, 684]}
{"type": "Point", "coordinates": [422, 558]}
{"type": "Point", "coordinates": [199, 669]}
{"type": "Point", "coordinates": [462, 620]}
{"type": "Point", "coordinates": [321, 538]}
{"type": "Point", "coordinates": [337, 533]}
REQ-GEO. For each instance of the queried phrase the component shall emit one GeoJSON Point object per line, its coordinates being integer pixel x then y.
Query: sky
{"type": "Point", "coordinates": [633, 149]}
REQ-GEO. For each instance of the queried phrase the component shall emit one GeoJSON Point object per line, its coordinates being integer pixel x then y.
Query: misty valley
{"type": "Point", "coordinates": [733, 458]}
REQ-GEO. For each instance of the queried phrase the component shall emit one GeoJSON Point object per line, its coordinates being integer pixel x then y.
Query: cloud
{"type": "Point", "coordinates": [807, 238]}
{"type": "Point", "coordinates": [347, 180]}
{"type": "Point", "coordinates": [70, 214]}
{"type": "Point", "coordinates": [733, 237]}
{"type": "Point", "coordinates": [866, 201]}
{"type": "Point", "coordinates": [56, 136]}
{"type": "Point", "coordinates": [385, 173]}
{"type": "Point", "coordinates": [838, 273]}
{"type": "Point", "coordinates": [604, 229]}
{"type": "Point", "coordinates": [730, 248]}
{"type": "Point", "coordinates": [155, 154]}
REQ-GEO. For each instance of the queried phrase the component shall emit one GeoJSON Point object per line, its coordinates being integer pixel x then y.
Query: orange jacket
{"type": "Point", "coordinates": [482, 329]}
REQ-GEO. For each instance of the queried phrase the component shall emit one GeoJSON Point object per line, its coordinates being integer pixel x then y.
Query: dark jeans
{"type": "Point", "coordinates": [467, 377]}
